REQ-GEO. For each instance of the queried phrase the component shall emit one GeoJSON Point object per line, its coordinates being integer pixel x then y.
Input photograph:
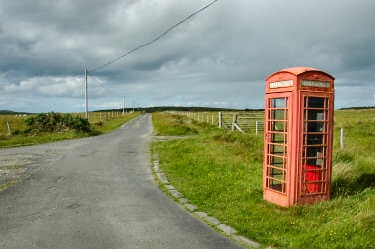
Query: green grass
{"type": "Point", "coordinates": [221, 173]}
{"type": "Point", "coordinates": [175, 125]}
{"type": "Point", "coordinates": [354, 169]}
{"type": "Point", "coordinates": [17, 123]}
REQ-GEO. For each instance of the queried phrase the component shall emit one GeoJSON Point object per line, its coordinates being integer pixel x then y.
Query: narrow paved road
{"type": "Point", "coordinates": [98, 193]}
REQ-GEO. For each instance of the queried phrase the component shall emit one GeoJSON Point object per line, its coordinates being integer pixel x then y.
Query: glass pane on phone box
{"type": "Point", "coordinates": [277, 150]}
{"type": "Point", "coordinates": [278, 114]}
{"type": "Point", "coordinates": [277, 138]}
{"type": "Point", "coordinates": [277, 174]}
{"type": "Point", "coordinates": [276, 185]}
{"type": "Point", "coordinates": [315, 127]}
{"type": "Point", "coordinates": [314, 139]}
{"type": "Point", "coordinates": [277, 162]}
{"type": "Point", "coordinates": [278, 126]}
{"type": "Point", "coordinates": [278, 103]}
{"type": "Point", "coordinates": [313, 152]}
{"type": "Point", "coordinates": [315, 102]}
{"type": "Point", "coordinates": [315, 115]}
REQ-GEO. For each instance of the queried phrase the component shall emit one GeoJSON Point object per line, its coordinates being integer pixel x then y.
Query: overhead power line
{"type": "Point", "coordinates": [154, 40]}
{"type": "Point", "coordinates": [102, 85]}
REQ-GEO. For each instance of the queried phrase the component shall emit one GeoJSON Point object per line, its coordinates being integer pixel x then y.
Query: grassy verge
{"type": "Point", "coordinates": [176, 125]}
{"type": "Point", "coordinates": [221, 172]}
{"type": "Point", "coordinates": [101, 127]}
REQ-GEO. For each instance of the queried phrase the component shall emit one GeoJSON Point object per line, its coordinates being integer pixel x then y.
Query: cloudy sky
{"type": "Point", "coordinates": [218, 58]}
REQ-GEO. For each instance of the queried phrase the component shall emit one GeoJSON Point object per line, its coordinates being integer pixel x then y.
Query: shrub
{"type": "Point", "coordinates": [55, 122]}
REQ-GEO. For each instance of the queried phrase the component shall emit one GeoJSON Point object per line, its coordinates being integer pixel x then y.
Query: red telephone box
{"type": "Point", "coordinates": [298, 136]}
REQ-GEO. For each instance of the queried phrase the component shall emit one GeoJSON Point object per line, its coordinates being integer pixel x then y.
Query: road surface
{"type": "Point", "coordinates": [97, 192]}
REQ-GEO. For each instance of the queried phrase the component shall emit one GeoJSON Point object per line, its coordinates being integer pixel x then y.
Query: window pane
{"type": "Point", "coordinates": [278, 103]}
{"type": "Point", "coordinates": [315, 102]}
{"type": "Point", "coordinates": [278, 114]}
{"type": "Point", "coordinates": [276, 185]}
{"type": "Point", "coordinates": [314, 152]}
{"type": "Point", "coordinates": [277, 138]}
{"type": "Point", "coordinates": [315, 127]}
{"type": "Point", "coordinates": [277, 126]}
{"type": "Point", "coordinates": [315, 115]}
{"type": "Point", "coordinates": [277, 150]}
{"type": "Point", "coordinates": [313, 139]}
{"type": "Point", "coordinates": [276, 162]}
{"type": "Point", "coordinates": [277, 174]}
{"type": "Point", "coordinates": [312, 176]}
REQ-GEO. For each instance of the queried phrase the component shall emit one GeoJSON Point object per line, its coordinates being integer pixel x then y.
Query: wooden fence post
{"type": "Point", "coordinates": [234, 121]}
{"type": "Point", "coordinates": [9, 130]}
{"type": "Point", "coordinates": [342, 138]}
{"type": "Point", "coordinates": [220, 120]}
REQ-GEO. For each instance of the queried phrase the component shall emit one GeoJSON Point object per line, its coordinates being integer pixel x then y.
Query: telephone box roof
{"type": "Point", "coordinates": [300, 70]}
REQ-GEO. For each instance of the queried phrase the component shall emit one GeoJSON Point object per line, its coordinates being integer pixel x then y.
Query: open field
{"type": "Point", "coordinates": [221, 172]}
{"type": "Point", "coordinates": [105, 124]}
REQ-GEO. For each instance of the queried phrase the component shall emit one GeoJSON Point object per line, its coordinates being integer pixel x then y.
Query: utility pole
{"type": "Point", "coordinates": [86, 96]}
{"type": "Point", "coordinates": [133, 105]}
{"type": "Point", "coordinates": [123, 106]}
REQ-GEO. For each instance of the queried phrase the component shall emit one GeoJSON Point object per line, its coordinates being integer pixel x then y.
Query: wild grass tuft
{"type": "Point", "coordinates": [173, 125]}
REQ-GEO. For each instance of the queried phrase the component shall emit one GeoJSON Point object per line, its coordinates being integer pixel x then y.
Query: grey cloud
{"type": "Point", "coordinates": [223, 55]}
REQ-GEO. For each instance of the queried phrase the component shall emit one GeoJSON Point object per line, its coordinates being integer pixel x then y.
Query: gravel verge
{"type": "Point", "coordinates": [20, 163]}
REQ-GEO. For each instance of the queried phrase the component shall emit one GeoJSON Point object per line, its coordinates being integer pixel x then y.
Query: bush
{"type": "Point", "coordinates": [55, 122]}
{"type": "Point", "coordinates": [100, 123]}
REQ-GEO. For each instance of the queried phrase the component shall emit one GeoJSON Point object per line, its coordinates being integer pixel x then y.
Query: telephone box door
{"type": "Point", "coordinates": [316, 132]}
{"type": "Point", "coordinates": [276, 144]}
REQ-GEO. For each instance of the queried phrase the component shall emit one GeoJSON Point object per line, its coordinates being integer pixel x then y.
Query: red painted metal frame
{"type": "Point", "coordinates": [318, 185]}
{"type": "Point", "coordinates": [277, 196]}
{"type": "Point", "coordinates": [327, 153]}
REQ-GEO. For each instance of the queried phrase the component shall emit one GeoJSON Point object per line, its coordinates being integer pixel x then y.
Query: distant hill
{"type": "Point", "coordinates": [358, 108]}
{"type": "Point", "coordinates": [6, 112]}
{"type": "Point", "coordinates": [178, 108]}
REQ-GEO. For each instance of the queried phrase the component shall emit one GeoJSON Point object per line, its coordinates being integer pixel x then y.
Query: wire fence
{"type": "Point", "coordinates": [241, 121]}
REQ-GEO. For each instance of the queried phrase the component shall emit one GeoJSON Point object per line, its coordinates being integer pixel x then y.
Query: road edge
{"type": "Point", "coordinates": [163, 183]}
